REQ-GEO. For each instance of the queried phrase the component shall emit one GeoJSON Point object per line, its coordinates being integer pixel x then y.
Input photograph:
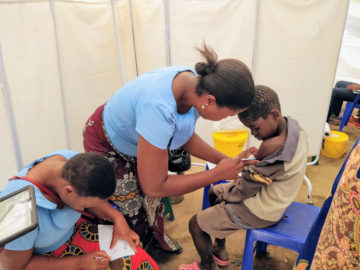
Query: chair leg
{"type": "Point", "coordinates": [260, 248]}
{"type": "Point", "coordinates": [348, 111]}
{"type": "Point", "coordinates": [168, 208]}
{"type": "Point", "coordinates": [346, 115]}
{"type": "Point", "coordinates": [206, 203]}
{"type": "Point", "coordinates": [247, 263]}
{"type": "Point", "coordinates": [309, 186]}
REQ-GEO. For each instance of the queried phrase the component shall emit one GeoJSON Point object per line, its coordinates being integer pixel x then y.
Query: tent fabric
{"type": "Point", "coordinates": [348, 68]}
{"type": "Point", "coordinates": [63, 58]}
{"type": "Point", "coordinates": [292, 59]}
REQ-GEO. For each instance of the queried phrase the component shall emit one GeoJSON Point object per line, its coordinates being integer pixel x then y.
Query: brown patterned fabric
{"type": "Point", "coordinates": [143, 214]}
{"type": "Point", "coordinates": [339, 242]}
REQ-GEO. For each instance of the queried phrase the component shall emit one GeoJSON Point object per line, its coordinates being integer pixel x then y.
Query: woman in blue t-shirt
{"type": "Point", "coordinates": [65, 184]}
{"type": "Point", "coordinates": [155, 113]}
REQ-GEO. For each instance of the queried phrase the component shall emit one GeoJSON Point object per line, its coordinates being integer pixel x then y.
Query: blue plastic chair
{"type": "Point", "coordinates": [290, 232]}
{"type": "Point", "coordinates": [299, 228]}
{"type": "Point", "coordinates": [168, 208]}
{"type": "Point", "coordinates": [206, 202]}
{"type": "Point", "coordinates": [350, 106]}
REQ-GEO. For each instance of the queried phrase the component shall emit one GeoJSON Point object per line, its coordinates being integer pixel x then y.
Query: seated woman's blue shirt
{"type": "Point", "coordinates": [55, 225]}
{"type": "Point", "coordinates": [146, 106]}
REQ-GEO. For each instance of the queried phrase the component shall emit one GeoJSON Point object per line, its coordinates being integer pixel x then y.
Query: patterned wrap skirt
{"type": "Point", "coordinates": [143, 214]}
{"type": "Point", "coordinates": [86, 239]}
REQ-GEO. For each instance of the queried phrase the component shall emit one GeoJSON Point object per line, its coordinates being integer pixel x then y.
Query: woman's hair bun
{"type": "Point", "coordinates": [201, 68]}
{"type": "Point", "coordinates": [204, 69]}
{"type": "Point", "coordinates": [229, 81]}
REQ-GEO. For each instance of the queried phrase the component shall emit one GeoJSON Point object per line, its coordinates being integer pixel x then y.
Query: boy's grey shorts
{"type": "Point", "coordinates": [216, 222]}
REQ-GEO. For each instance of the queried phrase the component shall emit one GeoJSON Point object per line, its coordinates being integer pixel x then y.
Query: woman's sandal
{"type": "Point", "coordinates": [221, 262]}
{"type": "Point", "coordinates": [193, 266]}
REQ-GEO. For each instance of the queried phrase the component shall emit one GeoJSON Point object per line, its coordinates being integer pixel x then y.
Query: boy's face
{"type": "Point", "coordinates": [261, 128]}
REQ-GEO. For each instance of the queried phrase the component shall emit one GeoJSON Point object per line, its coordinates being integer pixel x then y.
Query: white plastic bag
{"type": "Point", "coordinates": [230, 124]}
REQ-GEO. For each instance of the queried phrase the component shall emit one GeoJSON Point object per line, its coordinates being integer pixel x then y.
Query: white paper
{"type": "Point", "coordinates": [121, 249]}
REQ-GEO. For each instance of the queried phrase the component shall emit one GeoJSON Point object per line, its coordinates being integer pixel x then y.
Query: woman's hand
{"type": "Point", "coordinates": [353, 86]}
{"type": "Point", "coordinates": [229, 168]}
{"type": "Point", "coordinates": [119, 232]}
{"type": "Point", "coordinates": [246, 153]}
{"type": "Point", "coordinates": [121, 229]}
{"type": "Point", "coordinates": [95, 260]}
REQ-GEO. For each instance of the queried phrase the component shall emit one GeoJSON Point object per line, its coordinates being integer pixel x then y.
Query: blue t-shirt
{"type": "Point", "coordinates": [55, 225]}
{"type": "Point", "coordinates": [146, 106]}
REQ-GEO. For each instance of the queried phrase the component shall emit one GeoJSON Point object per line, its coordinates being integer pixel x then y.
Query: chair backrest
{"type": "Point", "coordinates": [305, 258]}
{"type": "Point", "coordinates": [350, 106]}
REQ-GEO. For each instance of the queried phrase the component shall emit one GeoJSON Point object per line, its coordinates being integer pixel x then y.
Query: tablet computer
{"type": "Point", "coordinates": [18, 214]}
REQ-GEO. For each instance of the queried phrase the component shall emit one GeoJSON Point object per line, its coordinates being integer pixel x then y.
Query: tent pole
{"type": "Point", "coordinates": [254, 52]}
{"type": "Point", "coordinates": [63, 101]}
{"type": "Point", "coordinates": [133, 35]}
{"type": "Point", "coordinates": [116, 30]}
{"type": "Point", "coordinates": [10, 114]}
{"type": "Point", "coordinates": [256, 24]}
{"type": "Point", "coordinates": [167, 32]}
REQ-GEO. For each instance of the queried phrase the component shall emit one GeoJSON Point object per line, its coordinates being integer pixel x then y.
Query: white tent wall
{"type": "Point", "coordinates": [29, 54]}
{"type": "Point", "coordinates": [7, 157]}
{"type": "Point", "coordinates": [298, 58]}
{"type": "Point", "coordinates": [149, 33]}
{"type": "Point", "coordinates": [61, 61]}
{"type": "Point", "coordinates": [7, 138]}
{"type": "Point", "coordinates": [63, 58]}
{"type": "Point", "coordinates": [89, 62]}
{"type": "Point", "coordinates": [124, 37]}
{"type": "Point", "coordinates": [227, 26]}
{"type": "Point", "coordinates": [348, 68]}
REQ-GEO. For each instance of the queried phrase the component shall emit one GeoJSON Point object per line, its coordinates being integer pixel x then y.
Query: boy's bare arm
{"type": "Point", "coordinates": [269, 146]}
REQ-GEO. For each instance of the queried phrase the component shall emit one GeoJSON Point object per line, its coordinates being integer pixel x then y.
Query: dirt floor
{"type": "Point", "coordinates": [321, 176]}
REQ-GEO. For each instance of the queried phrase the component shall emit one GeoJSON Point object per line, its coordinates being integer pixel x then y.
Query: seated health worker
{"type": "Point", "coordinates": [65, 184]}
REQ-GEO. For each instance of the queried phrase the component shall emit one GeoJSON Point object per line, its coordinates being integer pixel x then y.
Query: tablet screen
{"type": "Point", "coordinates": [18, 214]}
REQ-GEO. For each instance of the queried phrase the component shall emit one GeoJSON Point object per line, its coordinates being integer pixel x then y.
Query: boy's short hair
{"type": "Point", "coordinates": [264, 102]}
{"type": "Point", "coordinates": [91, 175]}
